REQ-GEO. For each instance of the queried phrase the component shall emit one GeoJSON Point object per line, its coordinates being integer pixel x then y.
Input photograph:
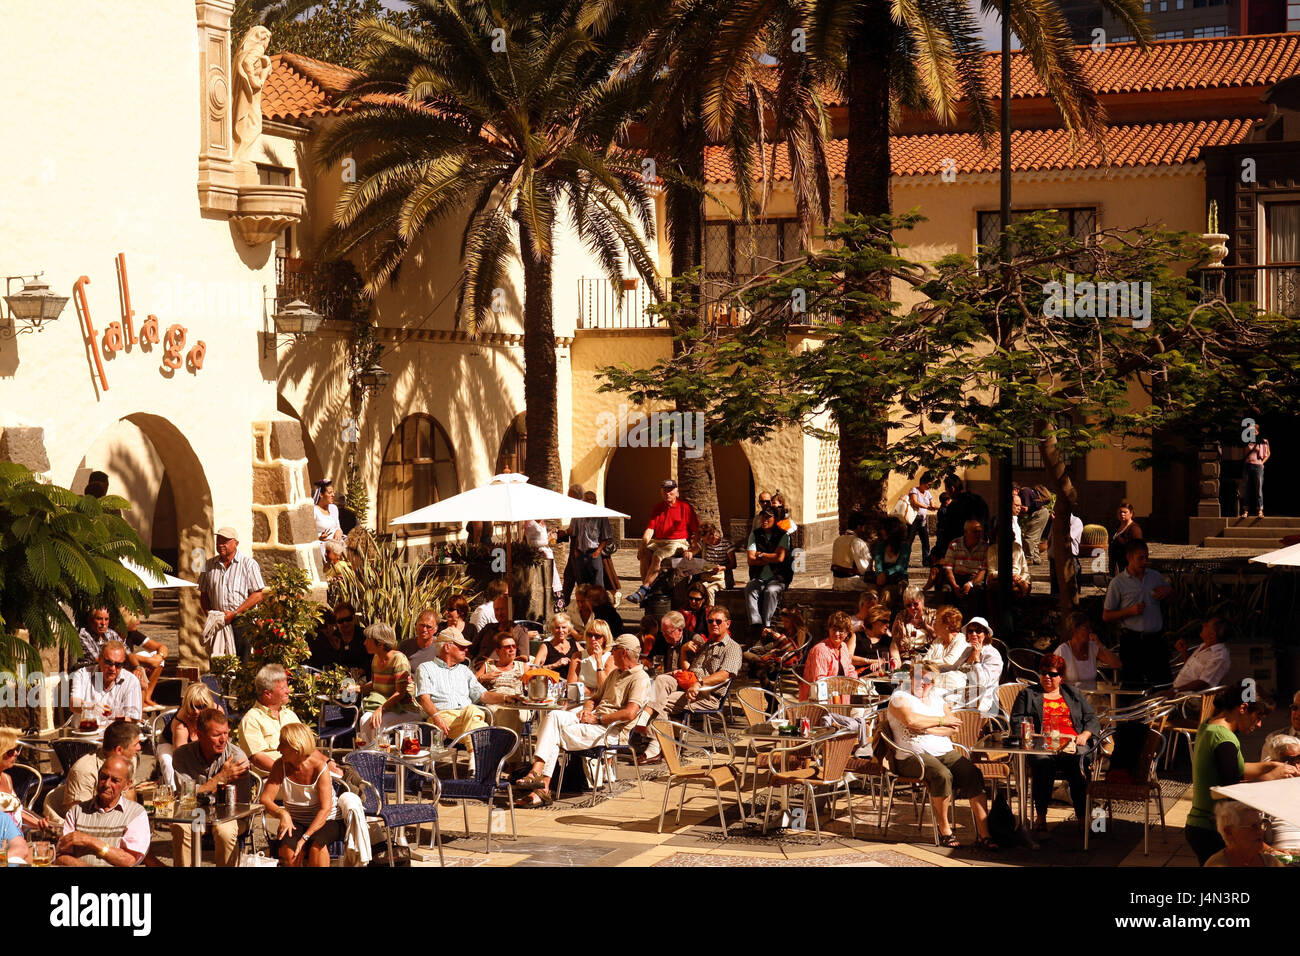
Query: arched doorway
{"type": "Point", "coordinates": [632, 484]}
{"type": "Point", "coordinates": [514, 447]}
{"type": "Point", "coordinates": [152, 464]}
{"type": "Point", "coordinates": [419, 468]}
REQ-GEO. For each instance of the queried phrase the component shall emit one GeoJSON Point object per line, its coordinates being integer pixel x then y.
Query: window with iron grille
{"type": "Point", "coordinates": [734, 250]}
{"type": "Point", "coordinates": [1081, 222]}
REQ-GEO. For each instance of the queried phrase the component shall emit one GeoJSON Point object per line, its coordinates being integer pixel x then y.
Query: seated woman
{"type": "Point", "coordinates": [389, 686]}
{"type": "Point", "coordinates": [696, 612]}
{"type": "Point", "coordinates": [20, 815]}
{"type": "Point", "coordinates": [1056, 706]}
{"type": "Point", "coordinates": [719, 555]}
{"type": "Point", "coordinates": [922, 726]}
{"type": "Point", "coordinates": [184, 727]}
{"type": "Point", "coordinates": [562, 649]}
{"type": "Point", "coordinates": [913, 628]}
{"type": "Point", "coordinates": [873, 648]}
{"type": "Point", "coordinates": [352, 653]}
{"type": "Point", "coordinates": [652, 642]}
{"type": "Point", "coordinates": [778, 649]}
{"type": "Point", "coordinates": [891, 555]}
{"type": "Point", "coordinates": [866, 601]}
{"type": "Point", "coordinates": [1082, 652]}
{"type": "Point", "coordinates": [1242, 829]}
{"type": "Point", "coordinates": [948, 651]}
{"type": "Point", "coordinates": [324, 644]}
{"type": "Point", "coordinates": [1217, 761]}
{"type": "Point", "coordinates": [983, 665]}
{"type": "Point", "coordinates": [831, 657]}
{"type": "Point", "coordinates": [503, 672]}
{"type": "Point", "coordinates": [597, 661]}
{"type": "Point", "coordinates": [457, 618]}
{"type": "Point", "coordinates": [309, 818]}
{"type": "Point", "coordinates": [580, 611]}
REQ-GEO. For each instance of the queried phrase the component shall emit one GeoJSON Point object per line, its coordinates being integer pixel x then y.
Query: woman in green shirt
{"type": "Point", "coordinates": [1218, 762]}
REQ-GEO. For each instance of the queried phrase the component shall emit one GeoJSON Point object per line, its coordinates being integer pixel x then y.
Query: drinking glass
{"type": "Point", "coordinates": [42, 853]}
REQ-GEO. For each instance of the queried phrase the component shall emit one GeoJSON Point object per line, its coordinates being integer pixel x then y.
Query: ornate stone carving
{"type": "Point", "coordinates": [252, 68]}
{"type": "Point", "coordinates": [216, 183]}
{"type": "Point", "coordinates": [266, 211]}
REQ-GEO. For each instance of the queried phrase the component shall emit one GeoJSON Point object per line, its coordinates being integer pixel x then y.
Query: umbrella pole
{"type": "Point", "coordinates": [510, 578]}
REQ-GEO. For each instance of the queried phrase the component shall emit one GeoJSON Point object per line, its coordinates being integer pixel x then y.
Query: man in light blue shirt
{"type": "Point", "coordinates": [447, 690]}
{"type": "Point", "coordinates": [1133, 599]}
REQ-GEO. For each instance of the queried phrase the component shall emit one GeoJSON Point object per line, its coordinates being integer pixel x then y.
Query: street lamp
{"type": "Point", "coordinates": [33, 306]}
{"type": "Point", "coordinates": [295, 321]}
{"type": "Point", "coordinates": [371, 378]}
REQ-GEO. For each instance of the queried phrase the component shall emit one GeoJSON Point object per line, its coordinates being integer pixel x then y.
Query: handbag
{"type": "Point", "coordinates": [903, 509]}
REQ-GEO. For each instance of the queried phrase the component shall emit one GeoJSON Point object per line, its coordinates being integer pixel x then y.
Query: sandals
{"type": "Point", "coordinates": [987, 845]}
{"type": "Point", "coordinates": [949, 840]}
{"type": "Point", "coordinates": [531, 781]}
{"type": "Point", "coordinates": [537, 798]}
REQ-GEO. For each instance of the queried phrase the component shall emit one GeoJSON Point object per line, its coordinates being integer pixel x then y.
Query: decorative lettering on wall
{"type": "Point", "coordinates": [121, 336]}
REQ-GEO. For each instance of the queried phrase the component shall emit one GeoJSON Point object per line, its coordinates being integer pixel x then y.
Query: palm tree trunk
{"type": "Point", "coordinates": [540, 416]}
{"type": "Point", "coordinates": [867, 192]}
{"type": "Point", "coordinates": [696, 477]}
{"type": "Point", "coordinates": [1067, 496]}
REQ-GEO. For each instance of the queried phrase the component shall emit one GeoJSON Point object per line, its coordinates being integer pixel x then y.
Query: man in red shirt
{"type": "Point", "coordinates": [673, 525]}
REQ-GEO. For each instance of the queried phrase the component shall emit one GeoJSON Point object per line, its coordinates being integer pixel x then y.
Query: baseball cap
{"type": "Point", "coordinates": [629, 643]}
{"type": "Point", "coordinates": [228, 532]}
{"type": "Point", "coordinates": [667, 483]}
{"type": "Point", "coordinates": [451, 636]}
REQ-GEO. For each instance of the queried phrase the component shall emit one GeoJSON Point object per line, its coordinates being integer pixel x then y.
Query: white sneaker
{"type": "Point", "coordinates": [618, 598]}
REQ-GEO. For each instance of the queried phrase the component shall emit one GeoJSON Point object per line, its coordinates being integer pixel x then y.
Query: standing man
{"type": "Point", "coordinates": [673, 525]}
{"type": "Point", "coordinates": [570, 564]}
{"type": "Point", "coordinates": [259, 731]}
{"type": "Point", "coordinates": [211, 761]}
{"type": "Point", "coordinates": [230, 583]}
{"type": "Point", "coordinates": [587, 540]}
{"type": "Point", "coordinates": [1033, 521]}
{"type": "Point", "coordinates": [1133, 599]}
{"type": "Point", "coordinates": [1257, 455]}
{"type": "Point", "coordinates": [113, 691]}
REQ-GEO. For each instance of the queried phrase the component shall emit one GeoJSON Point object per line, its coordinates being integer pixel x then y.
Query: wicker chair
{"type": "Point", "coordinates": [1145, 786]}
{"type": "Point", "coordinates": [715, 773]}
{"type": "Point", "coordinates": [826, 774]}
{"type": "Point", "coordinates": [1024, 662]}
{"type": "Point", "coordinates": [1177, 724]}
{"type": "Point", "coordinates": [1007, 694]}
{"type": "Point", "coordinates": [758, 706]}
{"type": "Point", "coordinates": [973, 724]}
{"type": "Point", "coordinates": [917, 785]}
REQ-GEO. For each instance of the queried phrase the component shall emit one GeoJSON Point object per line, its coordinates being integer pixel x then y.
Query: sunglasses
{"type": "Point", "coordinates": [695, 599]}
{"type": "Point", "coordinates": [1294, 761]}
{"type": "Point", "coordinates": [116, 665]}
{"type": "Point", "coordinates": [346, 620]}
{"type": "Point", "coordinates": [717, 620]}
{"type": "Point", "coordinates": [509, 647]}
{"type": "Point", "coordinates": [10, 753]}
{"type": "Point", "coordinates": [1051, 673]}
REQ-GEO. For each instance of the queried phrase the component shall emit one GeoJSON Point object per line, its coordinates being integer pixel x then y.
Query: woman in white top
{"type": "Point", "coordinates": [597, 659]}
{"type": "Point", "coordinates": [309, 818]}
{"type": "Point", "coordinates": [948, 651]}
{"type": "Point", "coordinates": [983, 666]}
{"type": "Point", "coordinates": [1081, 652]}
{"type": "Point", "coordinates": [326, 513]}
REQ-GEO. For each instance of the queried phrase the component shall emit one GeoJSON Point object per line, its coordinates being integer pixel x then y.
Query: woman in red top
{"type": "Point", "coordinates": [830, 658]}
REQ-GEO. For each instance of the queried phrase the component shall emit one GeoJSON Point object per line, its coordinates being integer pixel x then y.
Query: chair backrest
{"type": "Point", "coordinates": [27, 783]}
{"type": "Point", "coordinates": [1024, 661]}
{"type": "Point", "coordinates": [835, 757]}
{"type": "Point", "coordinates": [492, 748]}
{"type": "Point", "coordinates": [846, 685]}
{"type": "Point", "coordinates": [663, 729]}
{"type": "Point", "coordinates": [972, 727]}
{"type": "Point", "coordinates": [69, 750]}
{"type": "Point", "coordinates": [369, 765]}
{"type": "Point", "coordinates": [753, 704]}
{"type": "Point", "coordinates": [1007, 695]}
{"type": "Point", "coordinates": [814, 713]}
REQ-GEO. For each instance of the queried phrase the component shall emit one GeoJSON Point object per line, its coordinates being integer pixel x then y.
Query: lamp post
{"type": "Point", "coordinates": [1005, 621]}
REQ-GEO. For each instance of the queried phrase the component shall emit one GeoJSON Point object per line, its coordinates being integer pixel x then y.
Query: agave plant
{"type": "Point", "coordinates": [61, 550]}
{"type": "Point", "coordinates": [384, 586]}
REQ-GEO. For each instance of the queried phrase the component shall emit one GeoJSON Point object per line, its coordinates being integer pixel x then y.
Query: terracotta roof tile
{"type": "Point", "coordinates": [300, 87]}
{"type": "Point", "coordinates": [1150, 144]}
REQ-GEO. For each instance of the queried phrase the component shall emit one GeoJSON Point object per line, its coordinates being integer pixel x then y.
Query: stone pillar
{"type": "Point", "coordinates": [218, 191]}
{"type": "Point", "coordinates": [24, 445]}
{"type": "Point", "coordinates": [284, 530]}
{"type": "Point", "coordinates": [1208, 505]}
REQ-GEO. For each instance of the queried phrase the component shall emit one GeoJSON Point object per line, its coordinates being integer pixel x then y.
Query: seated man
{"type": "Point", "coordinates": [111, 689]}
{"type": "Point", "coordinates": [96, 633]}
{"type": "Point", "coordinates": [851, 556]}
{"type": "Point", "coordinates": [719, 556]}
{"type": "Point", "coordinates": [965, 563]}
{"type": "Point", "coordinates": [447, 690]}
{"type": "Point", "coordinates": [424, 646]}
{"type": "Point", "coordinates": [620, 698]}
{"type": "Point", "coordinates": [770, 571]}
{"type": "Point", "coordinates": [259, 731]}
{"type": "Point", "coordinates": [121, 739]}
{"type": "Point", "coordinates": [108, 829]}
{"type": "Point", "coordinates": [210, 762]}
{"type": "Point", "coordinates": [922, 726]}
{"type": "Point", "coordinates": [1208, 665]}
{"type": "Point", "coordinates": [717, 662]}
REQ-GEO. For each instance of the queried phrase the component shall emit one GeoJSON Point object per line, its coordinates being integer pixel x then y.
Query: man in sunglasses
{"type": "Point", "coordinates": [717, 662]}
{"type": "Point", "coordinates": [109, 688]}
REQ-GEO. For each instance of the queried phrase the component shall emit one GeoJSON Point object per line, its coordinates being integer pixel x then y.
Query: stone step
{"type": "Point", "coordinates": [1251, 545]}
{"type": "Point", "coordinates": [1270, 532]}
{"type": "Point", "coordinates": [1266, 522]}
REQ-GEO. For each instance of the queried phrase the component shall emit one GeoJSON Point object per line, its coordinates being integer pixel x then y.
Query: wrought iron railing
{"type": "Point", "coordinates": [333, 289]}
{"type": "Point", "coordinates": [600, 305]}
{"type": "Point", "coordinates": [1273, 288]}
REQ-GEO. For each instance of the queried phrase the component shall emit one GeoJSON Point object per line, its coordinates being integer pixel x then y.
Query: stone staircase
{"type": "Point", "coordinates": [1255, 535]}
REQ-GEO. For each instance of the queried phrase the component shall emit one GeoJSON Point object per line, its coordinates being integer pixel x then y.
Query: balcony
{"type": "Point", "coordinates": [1273, 288]}
{"type": "Point", "coordinates": [598, 306]}
{"type": "Point", "coordinates": [333, 289]}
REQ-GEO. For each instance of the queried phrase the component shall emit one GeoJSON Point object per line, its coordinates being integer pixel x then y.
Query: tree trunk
{"type": "Point", "coordinates": [867, 192]}
{"type": "Point", "coordinates": [1067, 496]}
{"type": "Point", "coordinates": [695, 476]}
{"type": "Point", "coordinates": [540, 417]}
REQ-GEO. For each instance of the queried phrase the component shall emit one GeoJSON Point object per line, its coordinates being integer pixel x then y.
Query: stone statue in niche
{"type": "Point", "coordinates": [251, 67]}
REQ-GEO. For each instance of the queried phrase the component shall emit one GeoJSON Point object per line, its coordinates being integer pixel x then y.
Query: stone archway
{"type": "Point", "coordinates": [194, 523]}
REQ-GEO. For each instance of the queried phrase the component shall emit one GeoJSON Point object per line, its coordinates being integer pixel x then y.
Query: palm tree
{"type": "Point", "coordinates": [511, 111]}
{"type": "Point", "coordinates": [677, 135]}
{"type": "Point", "coordinates": [919, 55]}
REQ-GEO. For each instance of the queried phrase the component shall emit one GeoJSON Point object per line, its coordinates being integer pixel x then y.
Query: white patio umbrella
{"type": "Point", "coordinates": [1283, 557]}
{"type": "Point", "coordinates": [506, 499]}
{"type": "Point", "coordinates": [151, 580]}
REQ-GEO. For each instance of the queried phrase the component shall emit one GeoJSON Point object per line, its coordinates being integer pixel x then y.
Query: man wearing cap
{"type": "Point", "coordinates": [673, 525]}
{"type": "Point", "coordinates": [447, 690]}
{"type": "Point", "coordinates": [621, 698]}
{"type": "Point", "coordinates": [231, 583]}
